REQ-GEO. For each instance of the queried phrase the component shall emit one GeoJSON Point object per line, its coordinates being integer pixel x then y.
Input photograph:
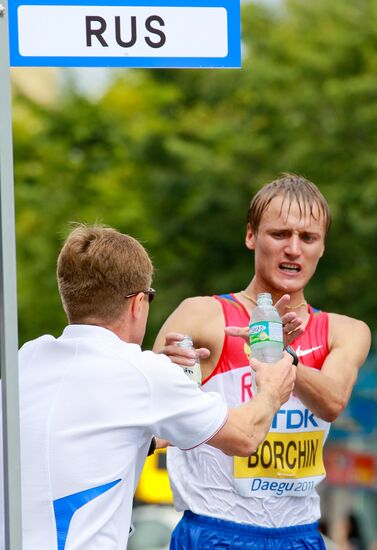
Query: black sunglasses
{"type": "Point", "coordinates": [151, 294]}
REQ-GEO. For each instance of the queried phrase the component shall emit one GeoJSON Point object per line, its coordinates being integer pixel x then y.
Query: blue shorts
{"type": "Point", "coordinates": [196, 532]}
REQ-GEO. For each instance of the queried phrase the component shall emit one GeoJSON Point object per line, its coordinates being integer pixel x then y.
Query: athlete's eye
{"type": "Point", "coordinates": [309, 238]}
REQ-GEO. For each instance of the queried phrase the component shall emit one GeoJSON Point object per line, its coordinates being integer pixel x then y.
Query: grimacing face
{"type": "Point", "coordinates": [287, 246]}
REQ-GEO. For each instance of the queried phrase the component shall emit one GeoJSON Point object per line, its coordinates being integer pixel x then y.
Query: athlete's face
{"type": "Point", "coordinates": [288, 246]}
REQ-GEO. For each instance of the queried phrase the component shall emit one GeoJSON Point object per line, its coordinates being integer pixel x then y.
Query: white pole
{"type": "Point", "coordinates": [8, 304]}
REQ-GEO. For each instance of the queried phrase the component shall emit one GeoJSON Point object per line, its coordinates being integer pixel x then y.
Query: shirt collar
{"type": "Point", "coordinates": [89, 331]}
{"type": "Point", "coordinates": [94, 332]}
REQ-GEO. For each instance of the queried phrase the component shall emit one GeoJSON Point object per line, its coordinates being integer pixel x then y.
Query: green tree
{"type": "Point", "coordinates": [174, 156]}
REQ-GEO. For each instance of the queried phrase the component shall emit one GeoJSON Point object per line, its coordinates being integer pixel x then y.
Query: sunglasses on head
{"type": "Point", "coordinates": [151, 294]}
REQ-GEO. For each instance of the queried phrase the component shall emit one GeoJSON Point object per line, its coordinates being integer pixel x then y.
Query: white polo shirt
{"type": "Point", "coordinates": [89, 405]}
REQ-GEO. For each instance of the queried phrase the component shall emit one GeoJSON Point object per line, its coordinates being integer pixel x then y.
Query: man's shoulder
{"type": "Point", "coordinates": [32, 344]}
{"type": "Point", "coordinates": [343, 326]}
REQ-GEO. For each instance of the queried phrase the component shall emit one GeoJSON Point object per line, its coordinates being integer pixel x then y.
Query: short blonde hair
{"type": "Point", "coordinates": [97, 267]}
{"type": "Point", "coordinates": [292, 188]}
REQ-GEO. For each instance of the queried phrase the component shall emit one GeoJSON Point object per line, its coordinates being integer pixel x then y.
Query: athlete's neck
{"type": "Point", "coordinates": [297, 300]}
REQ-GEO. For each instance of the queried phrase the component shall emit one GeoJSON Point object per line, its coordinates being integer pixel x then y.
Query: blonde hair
{"type": "Point", "coordinates": [291, 188]}
{"type": "Point", "coordinates": [97, 267]}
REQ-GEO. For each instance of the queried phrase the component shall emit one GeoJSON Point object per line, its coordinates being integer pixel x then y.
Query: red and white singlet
{"type": "Point", "coordinates": [274, 487]}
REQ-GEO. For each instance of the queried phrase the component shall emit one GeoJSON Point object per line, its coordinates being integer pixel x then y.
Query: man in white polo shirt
{"type": "Point", "coordinates": [91, 400]}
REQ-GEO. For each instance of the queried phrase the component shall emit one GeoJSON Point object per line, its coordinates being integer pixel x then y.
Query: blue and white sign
{"type": "Point", "coordinates": [125, 33]}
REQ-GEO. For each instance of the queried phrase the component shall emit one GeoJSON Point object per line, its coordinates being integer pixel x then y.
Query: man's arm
{"type": "Point", "coordinates": [326, 392]}
{"type": "Point", "coordinates": [248, 424]}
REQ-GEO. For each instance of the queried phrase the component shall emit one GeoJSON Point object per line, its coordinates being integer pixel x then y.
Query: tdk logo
{"type": "Point", "coordinates": [294, 419]}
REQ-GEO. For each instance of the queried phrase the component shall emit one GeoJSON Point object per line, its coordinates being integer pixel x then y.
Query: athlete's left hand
{"type": "Point", "coordinates": [292, 324]}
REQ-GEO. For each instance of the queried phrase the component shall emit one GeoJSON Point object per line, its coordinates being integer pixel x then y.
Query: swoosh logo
{"type": "Point", "coordinates": [302, 352]}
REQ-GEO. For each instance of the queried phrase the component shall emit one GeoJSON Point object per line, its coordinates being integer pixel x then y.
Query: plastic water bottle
{"type": "Point", "coordinates": [194, 372]}
{"type": "Point", "coordinates": [266, 332]}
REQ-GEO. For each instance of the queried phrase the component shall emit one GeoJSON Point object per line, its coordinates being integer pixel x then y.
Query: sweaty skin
{"type": "Point", "coordinates": [287, 247]}
{"type": "Point", "coordinates": [275, 487]}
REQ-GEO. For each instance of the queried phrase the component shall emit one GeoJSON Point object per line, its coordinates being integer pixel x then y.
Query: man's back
{"type": "Point", "coordinates": [77, 397]}
{"type": "Point", "coordinates": [89, 404]}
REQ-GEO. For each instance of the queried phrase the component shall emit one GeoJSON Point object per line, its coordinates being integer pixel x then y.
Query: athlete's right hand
{"type": "Point", "coordinates": [182, 356]}
{"type": "Point", "coordinates": [275, 380]}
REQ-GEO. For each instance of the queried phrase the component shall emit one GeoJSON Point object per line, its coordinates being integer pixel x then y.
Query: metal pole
{"type": "Point", "coordinates": [8, 304]}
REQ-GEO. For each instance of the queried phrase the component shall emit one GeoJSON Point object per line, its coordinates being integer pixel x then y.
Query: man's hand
{"type": "Point", "coordinates": [248, 424]}
{"type": "Point", "coordinates": [182, 356]}
{"type": "Point", "coordinates": [277, 379]}
{"type": "Point", "coordinates": [292, 325]}
{"type": "Point", "coordinates": [162, 443]}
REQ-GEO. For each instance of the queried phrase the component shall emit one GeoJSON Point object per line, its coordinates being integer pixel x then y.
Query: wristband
{"type": "Point", "coordinates": [152, 447]}
{"type": "Point", "coordinates": [292, 352]}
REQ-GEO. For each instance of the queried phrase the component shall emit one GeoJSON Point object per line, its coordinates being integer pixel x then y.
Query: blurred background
{"type": "Point", "coordinates": [173, 157]}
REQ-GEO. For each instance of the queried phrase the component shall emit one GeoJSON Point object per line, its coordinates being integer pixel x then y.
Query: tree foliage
{"type": "Point", "coordinates": [174, 156]}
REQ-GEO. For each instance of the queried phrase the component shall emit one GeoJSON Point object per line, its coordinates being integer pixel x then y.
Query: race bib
{"type": "Point", "coordinates": [289, 461]}
{"type": "Point", "coordinates": [285, 463]}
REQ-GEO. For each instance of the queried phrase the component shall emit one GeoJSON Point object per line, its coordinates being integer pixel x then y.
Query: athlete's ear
{"type": "Point", "coordinates": [250, 238]}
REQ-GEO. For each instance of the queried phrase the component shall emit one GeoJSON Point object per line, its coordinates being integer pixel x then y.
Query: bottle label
{"type": "Point", "coordinates": [194, 373]}
{"type": "Point", "coordinates": [265, 331]}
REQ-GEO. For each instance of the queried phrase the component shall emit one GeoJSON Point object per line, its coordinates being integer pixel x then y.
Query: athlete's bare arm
{"type": "Point", "coordinates": [326, 392]}
{"type": "Point", "coordinates": [200, 317]}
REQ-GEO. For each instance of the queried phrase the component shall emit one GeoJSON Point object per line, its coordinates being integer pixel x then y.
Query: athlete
{"type": "Point", "coordinates": [91, 400]}
{"type": "Point", "coordinates": [269, 499]}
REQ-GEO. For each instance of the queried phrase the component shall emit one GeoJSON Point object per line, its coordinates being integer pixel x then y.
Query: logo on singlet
{"type": "Point", "coordinates": [302, 352]}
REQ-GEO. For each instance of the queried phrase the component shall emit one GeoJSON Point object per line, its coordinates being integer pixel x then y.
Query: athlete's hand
{"type": "Point", "coordinates": [292, 324]}
{"type": "Point", "coordinates": [182, 356]}
{"type": "Point", "coordinates": [276, 380]}
{"type": "Point", "coordinates": [242, 332]}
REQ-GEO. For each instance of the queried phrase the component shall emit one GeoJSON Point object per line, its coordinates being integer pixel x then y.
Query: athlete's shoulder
{"type": "Point", "coordinates": [199, 307]}
{"type": "Point", "coordinates": [199, 301]}
{"type": "Point", "coordinates": [343, 327]}
{"type": "Point", "coordinates": [344, 321]}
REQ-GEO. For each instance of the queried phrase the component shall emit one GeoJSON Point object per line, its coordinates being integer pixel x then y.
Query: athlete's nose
{"type": "Point", "coordinates": [293, 246]}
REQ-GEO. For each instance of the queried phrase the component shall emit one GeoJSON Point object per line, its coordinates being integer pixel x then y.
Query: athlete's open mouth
{"type": "Point", "coordinates": [290, 268]}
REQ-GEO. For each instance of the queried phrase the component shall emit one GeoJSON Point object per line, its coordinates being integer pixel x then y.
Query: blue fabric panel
{"type": "Point", "coordinates": [65, 507]}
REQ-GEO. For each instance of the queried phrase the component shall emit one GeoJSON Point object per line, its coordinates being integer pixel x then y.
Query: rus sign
{"type": "Point", "coordinates": [125, 33]}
